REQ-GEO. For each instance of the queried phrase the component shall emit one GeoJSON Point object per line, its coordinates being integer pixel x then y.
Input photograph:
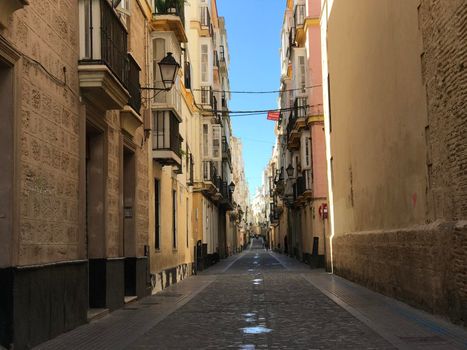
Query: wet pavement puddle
{"type": "Point", "coordinates": [256, 330]}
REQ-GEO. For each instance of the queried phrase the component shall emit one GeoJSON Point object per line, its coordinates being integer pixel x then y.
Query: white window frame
{"type": "Point", "coordinates": [208, 156]}
{"type": "Point", "coordinates": [216, 135]}
{"type": "Point", "coordinates": [204, 63]}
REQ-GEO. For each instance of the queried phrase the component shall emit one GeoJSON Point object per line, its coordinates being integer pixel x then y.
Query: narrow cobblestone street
{"type": "Point", "coordinates": [260, 300]}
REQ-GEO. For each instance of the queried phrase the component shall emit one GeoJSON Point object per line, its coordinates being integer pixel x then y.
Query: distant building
{"type": "Point", "coordinates": [297, 180]}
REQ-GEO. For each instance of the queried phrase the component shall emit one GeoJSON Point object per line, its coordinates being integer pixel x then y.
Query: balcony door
{"type": "Point", "coordinates": [6, 161]}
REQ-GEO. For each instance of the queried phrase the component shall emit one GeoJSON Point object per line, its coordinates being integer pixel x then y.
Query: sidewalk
{"type": "Point", "coordinates": [400, 324]}
{"type": "Point", "coordinates": [124, 326]}
{"type": "Point", "coordinates": [294, 301]}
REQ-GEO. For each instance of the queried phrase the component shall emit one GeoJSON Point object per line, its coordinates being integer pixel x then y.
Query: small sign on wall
{"type": "Point", "coordinates": [323, 211]}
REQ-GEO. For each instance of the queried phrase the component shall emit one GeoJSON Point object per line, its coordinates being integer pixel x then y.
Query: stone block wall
{"type": "Point", "coordinates": [444, 68]}
{"type": "Point", "coordinates": [48, 122]}
{"type": "Point", "coordinates": [424, 266]}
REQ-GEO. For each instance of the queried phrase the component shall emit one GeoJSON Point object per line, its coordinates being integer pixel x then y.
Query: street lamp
{"type": "Point", "coordinates": [290, 170]}
{"type": "Point", "coordinates": [169, 68]}
{"type": "Point", "coordinates": [232, 187]}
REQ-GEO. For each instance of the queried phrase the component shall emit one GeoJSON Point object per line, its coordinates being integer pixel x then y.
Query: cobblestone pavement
{"type": "Point", "coordinates": [263, 300]}
{"type": "Point", "coordinates": [258, 304]}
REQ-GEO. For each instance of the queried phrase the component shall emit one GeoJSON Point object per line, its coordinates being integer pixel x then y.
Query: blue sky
{"type": "Point", "coordinates": [253, 30]}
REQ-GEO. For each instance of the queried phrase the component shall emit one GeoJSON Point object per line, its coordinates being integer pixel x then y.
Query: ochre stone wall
{"type": "Point", "coordinates": [48, 123]}
{"type": "Point", "coordinates": [424, 266]}
{"type": "Point", "coordinates": [411, 242]}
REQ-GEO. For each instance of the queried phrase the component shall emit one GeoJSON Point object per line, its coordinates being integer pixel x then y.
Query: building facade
{"type": "Point", "coordinates": [75, 223]}
{"type": "Point", "coordinates": [297, 171]}
{"type": "Point", "coordinates": [241, 195]}
{"type": "Point", "coordinates": [212, 197]}
{"type": "Point", "coordinates": [102, 163]}
{"type": "Point", "coordinates": [395, 134]}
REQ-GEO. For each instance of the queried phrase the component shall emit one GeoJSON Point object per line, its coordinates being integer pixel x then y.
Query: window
{"type": "Point", "coordinates": [157, 214]}
{"type": "Point", "coordinates": [174, 219]}
{"type": "Point", "coordinates": [88, 32]}
{"type": "Point", "coordinates": [158, 53]}
{"type": "Point", "coordinates": [206, 153]}
{"type": "Point", "coordinates": [204, 63]}
{"type": "Point", "coordinates": [205, 18]}
{"type": "Point", "coordinates": [307, 152]}
{"type": "Point", "coordinates": [206, 95]}
{"type": "Point", "coordinates": [188, 75]}
{"type": "Point", "coordinates": [124, 11]}
{"type": "Point", "coordinates": [216, 141]}
{"type": "Point", "coordinates": [302, 72]}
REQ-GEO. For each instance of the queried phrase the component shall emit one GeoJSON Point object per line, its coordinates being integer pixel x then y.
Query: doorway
{"type": "Point", "coordinates": [6, 161]}
{"type": "Point", "coordinates": [129, 229]}
{"type": "Point", "coordinates": [95, 218]}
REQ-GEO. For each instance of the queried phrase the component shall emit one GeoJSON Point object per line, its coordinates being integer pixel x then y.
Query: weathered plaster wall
{"type": "Point", "coordinates": [378, 115]}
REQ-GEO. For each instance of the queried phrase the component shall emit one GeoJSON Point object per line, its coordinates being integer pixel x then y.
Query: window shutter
{"type": "Point", "coordinates": [216, 142]}
{"type": "Point", "coordinates": [204, 63]}
{"type": "Point", "coordinates": [158, 53]}
{"type": "Point", "coordinates": [188, 75]}
{"type": "Point", "coordinates": [302, 72]}
{"type": "Point", "coordinates": [206, 142]}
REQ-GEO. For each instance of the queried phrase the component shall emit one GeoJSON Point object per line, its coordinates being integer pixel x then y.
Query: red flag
{"type": "Point", "coordinates": [273, 115]}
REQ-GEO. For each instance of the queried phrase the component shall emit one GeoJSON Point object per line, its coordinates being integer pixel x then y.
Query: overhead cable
{"type": "Point", "coordinates": [262, 92]}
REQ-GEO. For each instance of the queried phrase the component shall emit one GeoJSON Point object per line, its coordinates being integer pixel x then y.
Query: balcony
{"type": "Point", "coordinates": [299, 20]}
{"type": "Point", "coordinates": [166, 140]}
{"type": "Point", "coordinates": [169, 16]}
{"type": "Point", "coordinates": [206, 97]}
{"type": "Point", "coordinates": [168, 100]}
{"type": "Point", "coordinates": [130, 117]}
{"type": "Point", "coordinates": [303, 189]}
{"type": "Point", "coordinates": [279, 185]}
{"type": "Point", "coordinates": [215, 59]}
{"type": "Point", "coordinates": [212, 181]}
{"type": "Point", "coordinates": [104, 65]}
{"type": "Point", "coordinates": [205, 22]}
{"type": "Point", "coordinates": [292, 43]}
{"type": "Point", "coordinates": [222, 60]}
{"type": "Point", "coordinates": [226, 201]}
{"type": "Point", "coordinates": [297, 121]}
{"type": "Point", "coordinates": [226, 153]}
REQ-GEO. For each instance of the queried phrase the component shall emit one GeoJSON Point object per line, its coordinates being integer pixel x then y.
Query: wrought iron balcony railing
{"type": "Point", "coordinates": [216, 59]}
{"type": "Point", "coordinates": [225, 192]}
{"type": "Point", "coordinates": [105, 39]}
{"type": "Point", "coordinates": [226, 153]}
{"type": "Point", "coordinates": [206, 95]}
{"type": "Point", "coordinates": [166, 135]}
{"type": "Point", "coordinates": [222, 53]}
{"type": "Point", "coordinates": [209, 171]}
{"type": "Point", "coordinates": [300, 107]}
{"type": "Point", "coordinates": [170, 7]}
{"type": "Point", "coordinates": [303, 183]}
